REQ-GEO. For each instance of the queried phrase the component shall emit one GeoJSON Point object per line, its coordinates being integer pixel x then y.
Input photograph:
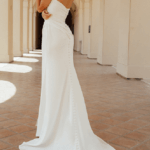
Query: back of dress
{"type": "Point", "coordinates": [62, 121]}
{"type": "Point", "coordinates": [58, 10]}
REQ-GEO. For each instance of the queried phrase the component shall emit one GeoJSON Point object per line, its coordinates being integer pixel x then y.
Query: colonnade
{"type": "Point", "coordinates": [114, 32]}
{"type": "Point", "coordinates": [119, 36]}
{"type": "Point", "coordinates": [17, 28]}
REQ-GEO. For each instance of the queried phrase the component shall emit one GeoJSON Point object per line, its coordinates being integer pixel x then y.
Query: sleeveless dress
{"type": "Point", "coordinates": [62, 122]}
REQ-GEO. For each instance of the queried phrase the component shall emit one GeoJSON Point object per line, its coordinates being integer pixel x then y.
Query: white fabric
{"type": "Point", "coordinates": [63, 121]}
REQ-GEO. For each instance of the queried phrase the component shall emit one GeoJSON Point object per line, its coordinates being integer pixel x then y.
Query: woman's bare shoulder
{"type": "Point", "coordinates": [66, 3]}
{"type": "Point", "coordinates": [43, 5]}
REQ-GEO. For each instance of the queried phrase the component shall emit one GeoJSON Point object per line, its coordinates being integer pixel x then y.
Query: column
{"type": "Point", "coordinates": [6, 31]}
{"type": "Point", "coordinates": [76, 29]}
{"type": "Point", "coordinates": [86, 35]}
{"type": "Point", "coordinates": [95, 29]}
{"type": "Point", "coordinates": [34, 28]}
{"type": "Point", "coordinates": [80, 41]}
{"type": "Point", "coordinates": [109, 38]}
{"type": "Point", "coordinates": [26, 26]}
{"type": "Point", "coordinates": [30, 25]}
{"type": "Point", "coordinates": [134, 37]}
{"type": "Point", "coordinates": [18, 28]}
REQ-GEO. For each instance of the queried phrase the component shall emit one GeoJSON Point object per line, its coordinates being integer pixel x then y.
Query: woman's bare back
{"type": "Point", "coordinates": [43, 4]}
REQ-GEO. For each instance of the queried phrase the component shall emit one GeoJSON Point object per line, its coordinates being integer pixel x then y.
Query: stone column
{"type": "Point", "coordinates": [79, 31]}
{"type": "Point", "coordinates": [109, 37]}
{"type": "Point", "coordinates": [80, 42]}
{"type": "Point", "coordinates": [26, 26]}
{"type": "Point", "coordinates": [30, 26]}
{"type": "Point", "coordinates": [76, 29]}
{"type": "Point", "coordinates": [34, 28]}
{"type": "Point", "coordinates": [86, 35]}
{"type": "Point", "coordinates": [6, 31]}
{"type": "Point", "coordinates": [95, 28]}
{"type": "Point", "coordinates": [18, 27]}
{"type": "Point", "coordinates": [134, 39]}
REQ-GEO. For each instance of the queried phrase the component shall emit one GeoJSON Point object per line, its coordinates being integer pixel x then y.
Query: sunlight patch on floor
{"type": "Point", "coordinates": [23, 59]}
{"type": "Point", "coordinates": [32, 55]}
{"type": "Point", "coordinates": [7, 90]}
{"type": "Point", "coordinates": [16, 68]}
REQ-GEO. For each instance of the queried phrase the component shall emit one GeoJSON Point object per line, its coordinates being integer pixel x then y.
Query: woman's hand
{"type": "Point", "coordinates": [46, 15]}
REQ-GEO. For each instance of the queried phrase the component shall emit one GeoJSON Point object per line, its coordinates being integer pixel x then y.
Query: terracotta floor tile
{"type": "Point", "coordinates": [128, 126]}
{"type": "Point", "coordinates": [4, 111]}
{"type": "Point", "coordinates": [34, 116]}
{"type": "Point", "coordinates": [122, 118]}
{"type": "Point", "coordinates": [101, 107]}
{"type": "Point", "coordinates": [92, 111]}
{"type": "Point", "coordinates": [15, 140]}
{"type": "Point", "coordinates": [96, 117]}
{"type": "Point", "coordinates": [148, 142]}
{"type": "Point", "coordinates": [4, 145]}
{"type": "Point", "coordinates": [24, 119]}
{"type": "Point", "coordinates": [117, 111]}
{"type": "Point", "coordinates": [2, 118]}
{"type": "Point", "coordinates": [32, 124]}
{"type": "Point", "coordinates": [13, 148]}
{"type": "Point", "coordinates": [8, 123]}
{"type": "Point", "coordinates": [12, 115]}
{"type": "Point", "coordinates": [99, 126]}
{"type": "Point", "coordinates": [118, 131]}
{"type": "Point", "coordinates": [142, 147]}
{"type": "Point", "coordinates": [139, 122]}
{"type": "Point", "coordinates": [124, 142]}
{"type": "Point", "coordinates": [145, 130]}
{"type": "Point", "coordinates": [30, 134]}
{"type": "Point", "coordinates": [111, 122]}
{"type": "Point", "coordinates": [106, 114]}
{"type": "Point", "coordinates": [5, 133]}
{"type": "Point", "coordinates": [21, 128]}
{"type": "Point", "coordinates": [142, 111]}
{"type": "Point", "coordinates": [106, 136]}
{"type": "Point", "coordinates": [117, 147]}
{"type": "Point", "coordinates": [145, 118]}
{"type": "Point", "coordinates": [137, 136]}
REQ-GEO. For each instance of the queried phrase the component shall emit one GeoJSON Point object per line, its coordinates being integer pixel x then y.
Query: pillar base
{"type": "Point", "coordinates": [107, 60]}
{"type": "Point", "coordinates": [6, 58]}
{"type": "Point", "coordinates": [133, 71]}
{"type": "Point", "coordinates": [83, 53]}
{"type": "Point", "coordinates": [92, 55]}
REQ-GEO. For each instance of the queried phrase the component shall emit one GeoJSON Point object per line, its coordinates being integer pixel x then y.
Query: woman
{"type": "Point", "coordinates": [63, 121]}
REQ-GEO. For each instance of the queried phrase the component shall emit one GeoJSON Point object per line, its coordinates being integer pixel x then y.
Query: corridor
{"type": "Point", "coordinates": [118, 109]}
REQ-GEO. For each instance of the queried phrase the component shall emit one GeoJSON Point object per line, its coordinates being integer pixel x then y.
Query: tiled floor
{"type": "Point", "coordinates": [118, 109]}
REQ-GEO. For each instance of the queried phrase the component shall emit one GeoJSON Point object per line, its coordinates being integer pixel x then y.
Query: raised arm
{"type": "Point", "coordinates": [42, 4]}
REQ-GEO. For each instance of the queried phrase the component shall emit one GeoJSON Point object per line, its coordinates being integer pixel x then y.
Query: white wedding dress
{"type": "Point", "coordinates": [63, 121]}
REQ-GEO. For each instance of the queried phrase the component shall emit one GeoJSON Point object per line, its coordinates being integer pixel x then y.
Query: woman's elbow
{"type": "Point", "coordinates": [40, 9]}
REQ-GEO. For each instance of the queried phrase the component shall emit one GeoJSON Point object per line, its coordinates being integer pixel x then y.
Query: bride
{"type": "Point", "coordinates": [63, 120]}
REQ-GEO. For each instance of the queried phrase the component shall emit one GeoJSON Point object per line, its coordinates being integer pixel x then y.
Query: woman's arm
{"type": "Point", "coordinates": [46, 15]}
{"type": "Point", "coordinates": [42, 4]}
